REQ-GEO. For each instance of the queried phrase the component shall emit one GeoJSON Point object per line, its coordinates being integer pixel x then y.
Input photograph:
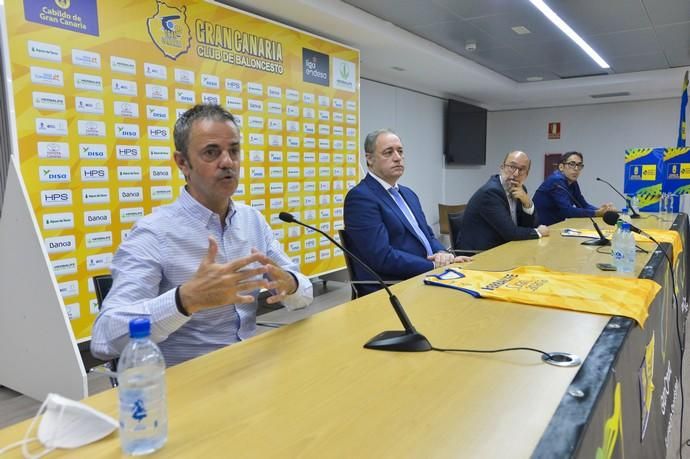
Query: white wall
{"type": "Point", "coordinates": [601, 132]}
{"type": "Point", "coordinates": [418, 119]}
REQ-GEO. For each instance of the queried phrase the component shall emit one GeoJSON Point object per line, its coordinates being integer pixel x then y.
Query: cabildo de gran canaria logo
{"type": "Point", "coordinates": [169, 31]}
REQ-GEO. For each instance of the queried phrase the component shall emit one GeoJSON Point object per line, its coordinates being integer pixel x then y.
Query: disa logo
{"type": "Point", "coordinates": [169, 31]}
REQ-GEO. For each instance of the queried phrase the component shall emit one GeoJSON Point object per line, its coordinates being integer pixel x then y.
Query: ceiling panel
{"type": "Point", "coordinates": [500, 26]}
{"type": "Point", "coordinates": [405, 13]}
{"type": "Point", "coordinates": [454, 35]}
{"type": "Point", "coordinates": [674, 36]}
{"type": "Point", "coordinates": [642, 41]}
{"type": "Point", "coordinates": [467, 9]}
{"type": "Point", "coordinates": [678, 57]}
{"type": "Point", "coordinates": [638, 63]}
{"type": "Point", "coordinates": [667, 11]}
{"type": "Point", "coordinates": [591, 17]}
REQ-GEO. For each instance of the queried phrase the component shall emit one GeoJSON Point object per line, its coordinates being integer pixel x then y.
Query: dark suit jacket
{"type": "Point", "coordinates": [487, 223]}
{"type": "Point", "coordinates": [381, 236]}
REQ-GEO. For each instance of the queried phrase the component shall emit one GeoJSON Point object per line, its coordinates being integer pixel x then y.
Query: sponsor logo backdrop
{"type": "Point", "coordinates": [98, 86]}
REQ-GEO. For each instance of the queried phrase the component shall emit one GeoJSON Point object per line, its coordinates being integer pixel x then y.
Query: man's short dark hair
{"type": "Point", "coordinates": [566, 156]}
{"type": "Point", "coordinates": [184, 123]}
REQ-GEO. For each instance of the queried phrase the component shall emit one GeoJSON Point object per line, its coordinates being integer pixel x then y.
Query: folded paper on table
{"type": "Point", "coordinates": [538, 286]}
{"type": "Point", "coordinates": [669, 236]}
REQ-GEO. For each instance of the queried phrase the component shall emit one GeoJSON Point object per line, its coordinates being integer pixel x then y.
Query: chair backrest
{"type": "Point", "coordinates": [348, 263]}
{"type": "Point", "coordinates": [101, 285]}
{"type": "Point", "coordinates": [443, 211]}
{"type": "Point", "coordinates": [454, 222]}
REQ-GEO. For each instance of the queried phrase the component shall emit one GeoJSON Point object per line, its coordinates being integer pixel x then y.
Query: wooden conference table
{"type": "Point", "coordinates": [311, 390]}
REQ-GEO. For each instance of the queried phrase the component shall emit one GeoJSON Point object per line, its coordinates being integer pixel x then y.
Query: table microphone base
{"type": "Point", "coordinates": [601, 242]}
{"type": "Point", "coordinates": [399, 341]}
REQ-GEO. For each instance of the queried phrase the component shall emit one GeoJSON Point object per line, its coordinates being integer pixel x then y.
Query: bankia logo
{"type": "Point", "coordinates": [315, 67]}
{"type": "Point", "coordinates": [169, 31]}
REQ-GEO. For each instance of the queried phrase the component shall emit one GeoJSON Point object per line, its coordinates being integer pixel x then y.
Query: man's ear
{"type": "Point", "coordinates": [182, 163]}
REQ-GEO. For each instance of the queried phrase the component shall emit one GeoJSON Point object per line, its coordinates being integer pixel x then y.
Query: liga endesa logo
{"type": "Point", "coordinates": [169, 31]}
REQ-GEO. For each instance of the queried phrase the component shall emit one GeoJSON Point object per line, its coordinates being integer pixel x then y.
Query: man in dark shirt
{"type": "Point", "coordinates": [559, 197]}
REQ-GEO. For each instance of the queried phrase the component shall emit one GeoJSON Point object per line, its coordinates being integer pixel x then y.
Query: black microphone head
{"type": "Point", "coordinates": [286, 217]}
{"type": "Point", "coordinates": [611, 217]}
{"type": "Point", "coordinates": [599, 179]}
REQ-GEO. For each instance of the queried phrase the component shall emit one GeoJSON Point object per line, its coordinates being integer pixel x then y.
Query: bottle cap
{"type": "Point", "coordinates": [139, 327]}
{"type": "Point", "coordinates": [626, 226]}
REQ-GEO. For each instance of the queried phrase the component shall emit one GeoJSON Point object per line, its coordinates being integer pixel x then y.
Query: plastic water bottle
{"type": "Point", "coordinates": [635, 203]}
{"type": "Point", "coordinates": [141, 377]}
{"type": "Point", "coordinates": [617, 246]}
{"type": "Point", "coordinates": [628, 249]}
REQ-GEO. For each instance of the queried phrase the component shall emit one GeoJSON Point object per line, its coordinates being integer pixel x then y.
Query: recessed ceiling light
{"type": "Point", "coordinates": [534, 78]}
{"type": "Point", "coordinates": [609, 94]}
{"type": "Point", "coordinates": [566, 29]}
{"type": "Point", "coordinates": [399, 69]}
{"type": "Point", "coordinates": [521, 30]}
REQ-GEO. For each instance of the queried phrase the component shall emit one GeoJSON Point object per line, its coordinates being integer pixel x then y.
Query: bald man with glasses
{"type": "Point", "coordinates": [559, 197]}
{"type": "Point", "coordinates": [501, 210]}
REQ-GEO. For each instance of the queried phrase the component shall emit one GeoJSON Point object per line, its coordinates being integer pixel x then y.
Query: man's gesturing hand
{"type": "Point", "coordinates": [218, 284]}
{"type": "Point", "coordinates": [282, 282]}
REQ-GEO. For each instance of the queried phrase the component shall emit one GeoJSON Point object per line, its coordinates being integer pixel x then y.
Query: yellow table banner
{"type": "Point", "coordinates": [669, 236]}
{"type": "Point", "coordinates": [538, 286]}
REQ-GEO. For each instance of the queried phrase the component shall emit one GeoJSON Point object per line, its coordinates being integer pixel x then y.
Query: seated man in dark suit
{"type": "Point", "coordinates": [501, 210]}
{"type": "Point", "coordinates": [384, 221]}
{"type": "Point", "coordinates": [559, 197]}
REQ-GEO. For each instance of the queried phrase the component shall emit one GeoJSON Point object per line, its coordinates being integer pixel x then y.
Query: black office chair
{"type": "Point", "coordinates": [350, 272]}
{"type": "Point", "coordinates": [102, 284]}
{"type": "Point", "coordinates": [454, 224]}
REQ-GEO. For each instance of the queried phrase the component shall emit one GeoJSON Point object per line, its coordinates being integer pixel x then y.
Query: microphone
{"type": "Point", "coordinates": [627, 199]}
{"type": "Point", "coordinates": [408, 340]}
{"type": "Point", "coordinates": [611, 218]}
{"type": "Point", "coordinates": [602, 241]}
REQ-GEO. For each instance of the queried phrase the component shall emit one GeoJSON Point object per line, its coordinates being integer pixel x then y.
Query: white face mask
{"type": "Point", "coordinates": [65, 424]}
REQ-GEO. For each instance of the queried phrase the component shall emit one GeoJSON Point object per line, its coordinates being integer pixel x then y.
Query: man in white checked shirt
{"type": "Point", "coordinates": [194, 267]}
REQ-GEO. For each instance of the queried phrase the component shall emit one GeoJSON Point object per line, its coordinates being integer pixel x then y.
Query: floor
{"type": "Point", "coordinates": [15, 407]}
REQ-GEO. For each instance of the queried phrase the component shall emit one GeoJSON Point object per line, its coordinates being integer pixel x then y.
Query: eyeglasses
{"type": "Point", "coordinates": [513, 169]}
{"type": "Point", "coordinates": [574, 165]}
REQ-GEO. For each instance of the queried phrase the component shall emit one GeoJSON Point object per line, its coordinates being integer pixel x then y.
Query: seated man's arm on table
{"type": "Point", "coordinates": [137, 275]}
{"type": "Point", "coordinates": [493, 211]}
{"type": "Point", "coordinates": [368, 233]}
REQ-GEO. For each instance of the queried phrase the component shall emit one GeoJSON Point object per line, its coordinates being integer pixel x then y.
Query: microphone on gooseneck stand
{"type": "Point", "coordinates": [408, 340]}
{"type": "Point", "coordinates": [602, 241]}
{"type": "Point", "coordinates": [627, 199]}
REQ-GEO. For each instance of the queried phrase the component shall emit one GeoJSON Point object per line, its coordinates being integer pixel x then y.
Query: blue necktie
{"type": "Point", "coordinates": [410, 218]}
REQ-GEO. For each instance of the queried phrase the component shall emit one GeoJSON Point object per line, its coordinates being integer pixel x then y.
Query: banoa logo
{"type": "Point", "coordinates": [94, 174]}
{"type": "Point", "coordinates": [160, 173]}
{"type": "Point", "coordinates": [131, 194]}
{"type": "Point", "coordinates": [56, 174]}
{"type": "Point", "coordinates": [60, 244]}
{"type": "Point", "coordinates": [55, 198]}
{"type": "Point", "coordinates": [97, 218]}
